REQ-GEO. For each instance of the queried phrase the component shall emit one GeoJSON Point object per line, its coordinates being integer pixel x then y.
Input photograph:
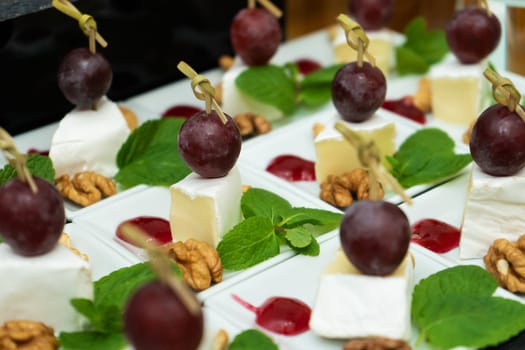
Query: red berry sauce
{"type": "Point", "coordinates": [435, 235]}
{"type": "Point", "coordinates": [292, 168]}
{"type": "Point", "coordinates": [282, 315]}
{"type": "Point", "coordinates": [405, 107]}
{"type": "Point", "coordinates": [307, 65]}
{"type": "Point", "coordinates": [182, 111]}
{"type": "Point", "coordinates": [37, 151]}
{"type": "Point", "coordinates": [157, 229]}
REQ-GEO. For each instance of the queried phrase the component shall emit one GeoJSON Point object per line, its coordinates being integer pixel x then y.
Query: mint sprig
{"type": "Point", "coordinates": [271, 221]}
{"type": "Point", "coordinates": [38, 165]}
{"type": "Point", "coordinates": [105, 311]}
{"type": "Point", "coordinates": [252, 339]}
{"type": "Point", "coordinates": [150, 155]}
{"type": "Point", "coordinates": [421, 49]}
{"type": "Point", "coordinates": [285, 89]}
{"type": "Point", "coordinates": [456, 307]}
{"type": "Point", "coordinates": [426, 156]}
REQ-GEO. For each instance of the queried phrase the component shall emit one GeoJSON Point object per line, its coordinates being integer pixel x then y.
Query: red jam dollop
{"type": "Point", "coordinates": [405, 107]}
{"type": "Point", "coordinates": [38, 151]}
{"type": "Point", "coordinates": [307, 65]}
{"type": "Point", "coordinates": [292, 168]}
{"type": "Point", "coordinates": [157, 229]}
{"type": "Point", "coordinates": [180, 111]}
{"type": "Point", "coordinates": [282, 315]}
{"type": "Point", "coordinates": [435, 235]}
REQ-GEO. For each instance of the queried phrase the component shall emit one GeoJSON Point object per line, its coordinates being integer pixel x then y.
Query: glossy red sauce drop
{"type": "Point", "coordinates": [307, 65]}
{"type": "Point", "coordinates": [405, 107]}
{"type": "Point", "coordinates": [292, 168]}
{"type": "Point", "coordinates": [157, 229]}
{"type": "Point", "coordinates": [282, 315]}
{"type": "Point", "coordinates": [435, 235]}
{"type": "Point", "coordinates": [37, 151]}
{"type": "Point", "coordinates": [184, 111]}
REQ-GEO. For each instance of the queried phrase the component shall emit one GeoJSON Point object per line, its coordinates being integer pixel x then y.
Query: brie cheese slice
{"type": "Point", "coordinates": [494, 208]}
{"type": "Point", "coordinates": [336, 156]}
{"type": "Point", "coordinates": [350, 304]}
{"type": "Point", "coordinates": [205, 209]}
{"type": "Point", "coordinates": [40, 288]}
{"type": "Point", "coordinates": [457, 91]}
{"type": "Point", "coordinates": [89, 140]}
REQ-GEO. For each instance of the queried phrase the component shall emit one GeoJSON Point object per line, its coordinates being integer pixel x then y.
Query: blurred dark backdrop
{"type": "Point", "coordinates": [147, 38]}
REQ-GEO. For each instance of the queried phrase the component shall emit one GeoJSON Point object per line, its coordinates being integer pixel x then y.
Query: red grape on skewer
{"type": "Point", "coordinates": [255, 34]}
{"type": "Point", "coordinates": [358, 88]}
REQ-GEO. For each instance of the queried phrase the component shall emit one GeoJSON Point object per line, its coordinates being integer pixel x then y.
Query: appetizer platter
{"type": "Point", "coordinates": [370, 241]}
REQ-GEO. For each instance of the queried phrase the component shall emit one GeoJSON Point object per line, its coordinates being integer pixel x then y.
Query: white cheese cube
{"type": "Point", "coordinates": [205, 209]}
{"type": "Point", "coordinates": [234, 101]}
{"type": "Point", "coordinates": [494, 208]}
{"type": "Point", "coordinates": [350, 304]}
{"type": "Point", "coordinates": [457, 91]}
{"type": "Point", "coordinates": [88, 140]}
{"type": "Point", "coordinates": [335, 155]}
{"type": "Point", "coordinates": [40, 288]}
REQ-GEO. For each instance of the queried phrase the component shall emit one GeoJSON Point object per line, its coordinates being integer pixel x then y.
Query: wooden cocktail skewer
{"type": "Point", "coordinates": [86, 22]}
{"type": "Point", "coordinates": [267, 4]}
{"type": "Point", "coordinates": [16, 159]}
{"type": "Point", "coordinates": [369, 157]}
{"type": "Point", "coordinates": [162, 267]}
{"type": "Point", "coordinates": [504, 92]}
{"type": "Point", "coordinates": [207, 91]}
{"type": "Point", "coordinates": [356, 39]}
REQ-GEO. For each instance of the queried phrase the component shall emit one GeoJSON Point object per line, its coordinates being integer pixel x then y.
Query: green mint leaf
{"type": "Point", "coordinates": [105, 319]}
{"type": "Point", "coordinates": [150, 155]}
{"type": "Point", "coordinates": [426, 156]}
{"type": "Point", "coordinates": [298, 237]}
{"type": "Point", "coordinates": [462, 279]}
{"type": "Point", "coordinates": [92, 341]}
{"type": "Point", "coordinates": [421, 48]}
{"type": "Point", "coordinates": [473, 321]}
{"type": "Point", "coordinates": [38, 165]}
{"type": "Point", "coordinates": [252, 339]}
{"type": "Point", "coordinates": [409, 62]}
{"type": "Point", "coordinates": [263, 203]}
{"type": "Point", "coordinates": [296, 216]}
{"type": "Point", "coordinates": [269, 84]}
{"type": "Point", "coordinates": [316, 88]}
{"type": "Point", "coordinates": [313, 249]}
{"type": "Point", "coordinates": [116, 288]}
{"type": "Point", "coordinates": [248, 243]}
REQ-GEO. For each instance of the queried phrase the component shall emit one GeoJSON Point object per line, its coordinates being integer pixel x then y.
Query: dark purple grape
{"type": "Point", "coordinates": [84, 77]}
{"type": "Point", "coordinates": [371, 14]}
{"type": "Point", "coordinates": [31, 223]}
{"type": "Point", "coordinates": [156, 319]}
{"type": "Point", "coordinates": [255, 35]}
{"type": "Point", "coordinates": [497, 142]}
{"type": "Point", "coordinates": [375, 236]}
{"type": "Point", "coordinates": [208, 146]}
{"type": "Point", "coordinates": [472, 34]}
{"type": "Point", "coordinates": [357, 92]}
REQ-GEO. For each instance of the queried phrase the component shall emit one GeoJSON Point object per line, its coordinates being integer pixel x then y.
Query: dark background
{"type": "Point", "coordinates": [147, 38]}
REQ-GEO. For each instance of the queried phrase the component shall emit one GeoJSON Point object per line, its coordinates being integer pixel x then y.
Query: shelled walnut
{"type": "Point", "coordinates": [199, 262]}
{"type": "Point", "coordinates": [505, 260]}
{"type": "Point", "coordinates": [341, 191]}
{"type": "Point", "coordinates": [27, 335]}
{"type": "Point", "coordinates": [252, 124]}
{"type": "Point", "coordinates": [376, 343]}
{"type": "Point", "coordinates": [86, 187]}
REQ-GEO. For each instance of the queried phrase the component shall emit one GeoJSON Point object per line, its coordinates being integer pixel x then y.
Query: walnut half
{"type": "Point", "coordinates": [341, 191]}
{"type": "Point", "coordinates": [86, 187]}
{"type": "Point", "coordinates": [199, 262]}
{"type": "Point", "coordinates": [27, 335]}
{"type": "Point", "coordinates": [376, 343]}
{"type": "Point", "coordinates": [505, 260]}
